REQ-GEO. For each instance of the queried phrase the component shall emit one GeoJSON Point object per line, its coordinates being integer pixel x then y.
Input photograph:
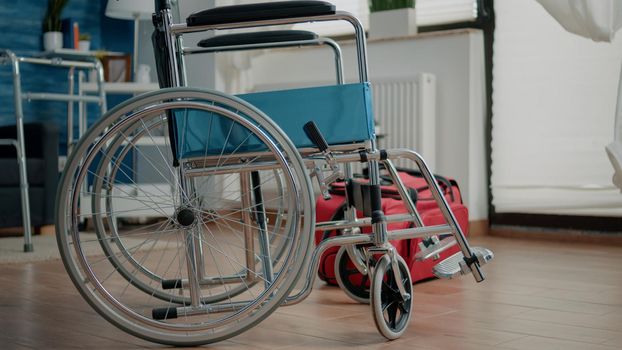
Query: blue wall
{"type": "Point", "coordinates": [117, 35]}
{"type": "Point", "coordinates": [21, 32]}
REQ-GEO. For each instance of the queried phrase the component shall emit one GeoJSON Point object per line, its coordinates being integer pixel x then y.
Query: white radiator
{"type": "Point", "coordinates": [405, 113]}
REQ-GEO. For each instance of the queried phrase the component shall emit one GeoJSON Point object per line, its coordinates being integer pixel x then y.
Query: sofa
{"type": "Point", "coordinates": [41, 143]}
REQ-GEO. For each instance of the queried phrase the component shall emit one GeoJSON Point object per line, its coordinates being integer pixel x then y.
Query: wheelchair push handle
{"type": "Point", "coordinates": [162, 5]}
{"type": "Point", "coordinates": [314, 134]}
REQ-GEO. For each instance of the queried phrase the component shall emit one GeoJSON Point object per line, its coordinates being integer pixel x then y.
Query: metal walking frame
{"type": "Point", "coordinates": [70, 62]}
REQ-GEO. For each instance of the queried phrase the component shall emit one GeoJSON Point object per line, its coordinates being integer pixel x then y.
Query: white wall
{"type": "Point", "coordinates": [554, 97]}
{"type": "Point", "coordinates": [200, 69]}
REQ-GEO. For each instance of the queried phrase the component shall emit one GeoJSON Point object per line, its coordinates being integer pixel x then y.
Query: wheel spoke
{"type": "Point", "coordinates": [392, 312]}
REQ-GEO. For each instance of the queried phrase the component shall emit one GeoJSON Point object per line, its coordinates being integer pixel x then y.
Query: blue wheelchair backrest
{"type": "Point", "coordinates": [342, 112]}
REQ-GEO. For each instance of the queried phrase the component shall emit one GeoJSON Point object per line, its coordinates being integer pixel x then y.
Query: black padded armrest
{"type": "Point", "coordinates": [276, 36]}
{"type": "Point", "coordinates": [260, 12]}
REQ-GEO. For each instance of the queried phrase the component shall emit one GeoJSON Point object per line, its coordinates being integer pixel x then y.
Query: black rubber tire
{"type": "Point", "coordinates": [356, 289]}
{"type": "Point", "coordinates": [391, 313]}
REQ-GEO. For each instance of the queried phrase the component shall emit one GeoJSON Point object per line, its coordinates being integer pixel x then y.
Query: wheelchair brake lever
{"type": "Point", "coordinates": [325, 181]}
{"type": "Point", "coordinates": [314, 134]}
{"type": "Point", "coordinates": [319, 175]}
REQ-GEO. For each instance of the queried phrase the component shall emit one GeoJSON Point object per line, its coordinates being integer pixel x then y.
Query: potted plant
{"type": "Point", "coordinates": [52, 36]}
{"type": "Point", "coordinates": [392, 18]}
{"type": "Point", "coordinates": [84, 42]}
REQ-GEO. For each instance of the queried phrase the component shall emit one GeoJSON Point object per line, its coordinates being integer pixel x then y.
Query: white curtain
{"type": "Point", "coordinates": [599, 21]}
{"type": "Point", "coordinates": [554, 102]}
{"type": "Point", "coordinates": [614, 149]}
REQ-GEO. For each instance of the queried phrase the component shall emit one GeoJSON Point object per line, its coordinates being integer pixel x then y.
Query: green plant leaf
{"type": "Point", "coordinates": [385, 5]}
{"type": "Point", "coordinates": [51, 20]}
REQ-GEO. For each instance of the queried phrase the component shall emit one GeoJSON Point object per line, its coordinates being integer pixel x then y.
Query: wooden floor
{"type": "Point", "coordinates": [538, 295]}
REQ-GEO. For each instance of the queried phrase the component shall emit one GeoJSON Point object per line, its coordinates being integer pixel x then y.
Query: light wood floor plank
{"type": "Point", "coordinates": [538, 295]}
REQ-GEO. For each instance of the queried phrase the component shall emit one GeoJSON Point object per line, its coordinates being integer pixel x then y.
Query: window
{"type": "Point", "coordinates": [429, 12]}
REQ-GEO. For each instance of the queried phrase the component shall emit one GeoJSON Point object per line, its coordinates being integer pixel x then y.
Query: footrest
{"type": "Point", "coordinates": [434, 249]}
{"type": "Point", "coordinates": [455, 265]}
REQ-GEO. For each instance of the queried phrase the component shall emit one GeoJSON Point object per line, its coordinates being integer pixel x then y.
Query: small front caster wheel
{"type": "Point", "coordinates": [390, 308]}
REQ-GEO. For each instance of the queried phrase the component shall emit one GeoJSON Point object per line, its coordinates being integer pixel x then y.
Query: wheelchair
{"type": "Point", "coordinates": [234, 195]}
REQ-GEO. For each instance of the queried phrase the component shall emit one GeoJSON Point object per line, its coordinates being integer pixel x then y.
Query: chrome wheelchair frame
{"type": "Point", "coordinates": [129, 285]}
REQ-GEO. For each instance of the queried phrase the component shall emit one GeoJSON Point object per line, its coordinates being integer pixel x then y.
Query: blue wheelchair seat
{"type": "Point", "coordinates": [342, 112]}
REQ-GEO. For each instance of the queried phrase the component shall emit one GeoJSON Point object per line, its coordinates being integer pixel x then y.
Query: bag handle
{"type": "Point", "coordinates": [442, 181]}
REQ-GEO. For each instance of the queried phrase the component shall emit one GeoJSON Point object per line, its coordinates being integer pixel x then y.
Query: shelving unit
{"type": "Point", "coordinates": [147, 183]}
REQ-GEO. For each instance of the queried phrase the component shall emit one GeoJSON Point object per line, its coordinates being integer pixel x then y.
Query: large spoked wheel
{"type": "Point", "coordinates": [391, 311]}
{"type": "Point", "coordinates": [349, 278]}
{"type": "Point", "coordinates": [230, 216]}
{"type": "Point", "coordinates": [106, 225]}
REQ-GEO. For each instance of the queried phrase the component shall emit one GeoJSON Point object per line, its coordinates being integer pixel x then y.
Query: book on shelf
{"type": "Point", "coordinates": [71, 33]}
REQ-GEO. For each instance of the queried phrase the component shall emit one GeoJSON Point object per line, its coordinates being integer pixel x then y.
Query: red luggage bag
{"type": "Point", "coordinates": [332, 209]}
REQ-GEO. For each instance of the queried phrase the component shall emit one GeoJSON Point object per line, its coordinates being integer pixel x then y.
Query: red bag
{"type": "Point", "coordinates": [421, 270]}
{"type": "Point", "coordinates": [328, 210]}
{"type": "Point", "coordinates": [336, 206]}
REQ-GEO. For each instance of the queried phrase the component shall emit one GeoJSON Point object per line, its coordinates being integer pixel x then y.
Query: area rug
{"type": "Point", "coordinates": [12, 249]}
{"type": "Point", "coordinates": [45, 249]}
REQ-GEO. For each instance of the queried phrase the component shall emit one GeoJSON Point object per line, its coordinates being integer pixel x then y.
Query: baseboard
{"type": "Point", "coordinates": [556, 222]}
{"type": "Point", "coordinates": [19, 231]}
{"type": "Point", "coordinates": [48, 230]}
{"type": "Point", "coordinates": [478, 228]}
{"type": "Point", "coordinates": [557, 235]}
